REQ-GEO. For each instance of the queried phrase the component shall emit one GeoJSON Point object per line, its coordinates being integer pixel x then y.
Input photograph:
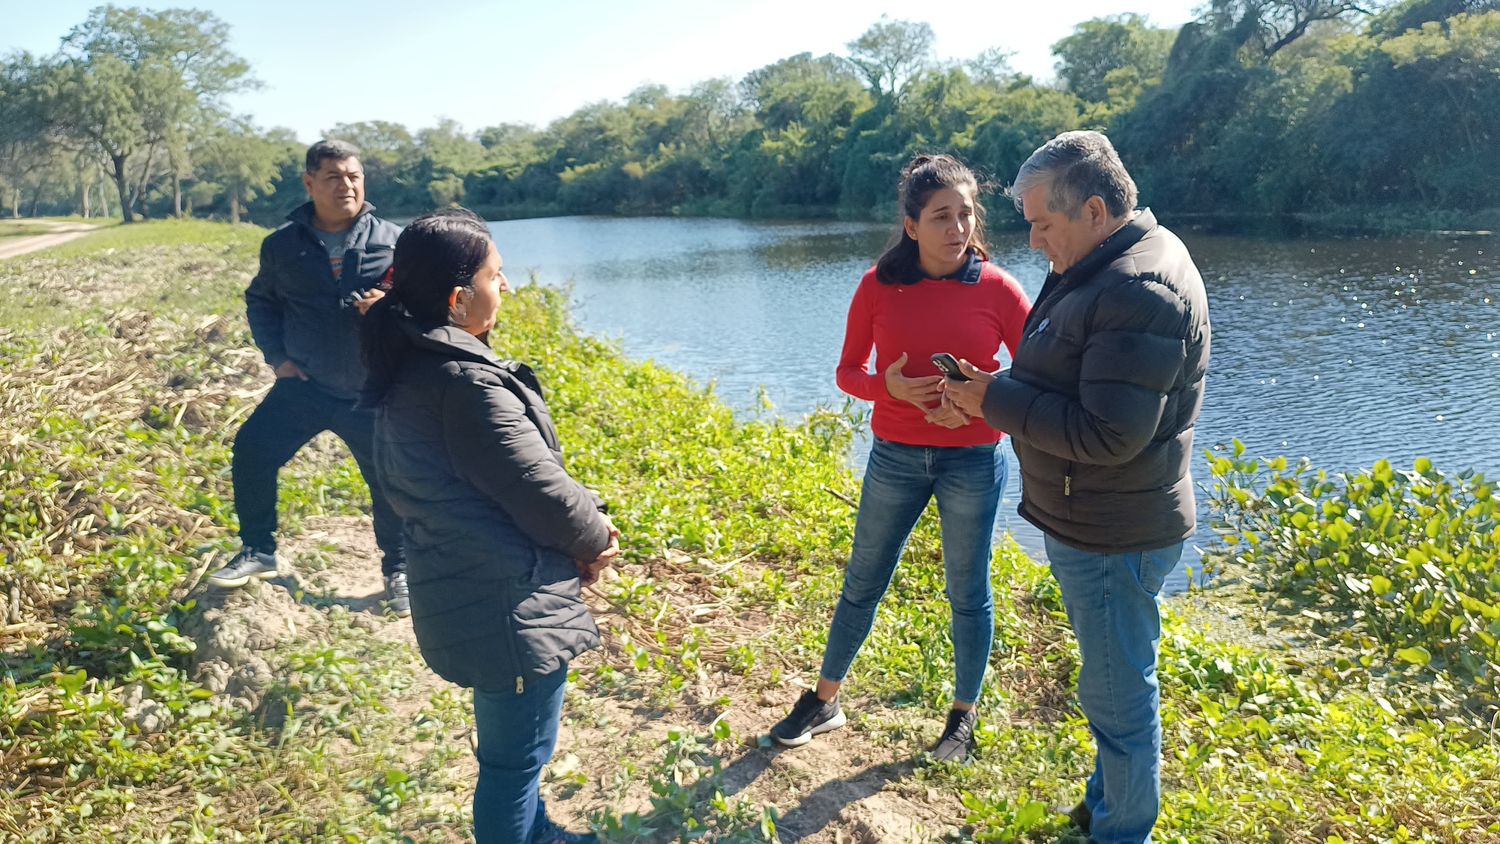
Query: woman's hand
{"type": "Point", "coordinates": [947, 414]}
{"type": "Point", "coordinates": [589, 570]}
{"type": "Point", "coordinates": [919, 391]}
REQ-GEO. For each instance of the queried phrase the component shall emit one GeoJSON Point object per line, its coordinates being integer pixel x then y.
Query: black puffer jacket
{"type": "Point", "coordinates": [1104, 392]}
{"type": "Point", "coordinates": [470, 461]}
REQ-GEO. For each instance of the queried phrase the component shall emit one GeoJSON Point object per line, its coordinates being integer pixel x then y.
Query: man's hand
{"type": "Point", "coordinates": [918, 391]}
{"type": "Point", "coordinates": [589, 570]}
{"type": "Point", "coordinates": [968, 396]}
{"type": "Point", "coordinates": [290, 369]}
{"type": "Point", "coordinates": [371, 296]}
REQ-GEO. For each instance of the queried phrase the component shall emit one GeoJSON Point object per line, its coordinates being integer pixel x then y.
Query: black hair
{"type": "Point", "coordinates": [435, 253]}
{"type": "Point", "coordinates": [925, 175]}
{"type": "Point", "coordinates": [326, 150]}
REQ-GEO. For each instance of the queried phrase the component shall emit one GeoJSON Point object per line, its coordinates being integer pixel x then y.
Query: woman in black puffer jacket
{"type": "Point", "coordinates": [499, 539]}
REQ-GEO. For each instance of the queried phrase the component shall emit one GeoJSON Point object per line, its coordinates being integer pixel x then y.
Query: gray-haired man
{"type": "Point", "coordinates": [318, 274]}
{"type": "Point", "coordinates": [1101, 401]}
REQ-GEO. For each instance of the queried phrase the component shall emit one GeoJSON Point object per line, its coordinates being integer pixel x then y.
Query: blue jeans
{"type": "Point", "coordinates": [899, 481]}
{"type": "Point", "coordinates": [288, 418]}
{"type": "Point", "coordinates": [1111, 601]}
{"type": "Point", "coordinates": [517, 733]}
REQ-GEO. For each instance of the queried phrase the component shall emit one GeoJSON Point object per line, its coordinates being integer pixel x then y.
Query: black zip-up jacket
{"type": "Point", "coordinates": [469, 458]}
{"type": "Point", "coordinates": [293, 303]}
{"type": "Point", "coordinates": [1104, 391]}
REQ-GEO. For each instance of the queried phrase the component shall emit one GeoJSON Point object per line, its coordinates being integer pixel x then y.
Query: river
{"type": "Point", "coordinates": [1344, 350]}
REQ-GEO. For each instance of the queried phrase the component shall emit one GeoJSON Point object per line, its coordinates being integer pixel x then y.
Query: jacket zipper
{"type": "Point", "coordinates": [510, 640]}
{"type": "Point", "coordinates": [1068, 481]}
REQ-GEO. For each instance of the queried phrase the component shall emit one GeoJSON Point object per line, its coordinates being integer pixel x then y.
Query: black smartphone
{"type": "Point", "coordinates": [948, 364]}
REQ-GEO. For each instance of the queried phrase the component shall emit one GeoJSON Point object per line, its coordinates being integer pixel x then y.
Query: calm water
{"type": "Point", "coordinates": [1345, 351]}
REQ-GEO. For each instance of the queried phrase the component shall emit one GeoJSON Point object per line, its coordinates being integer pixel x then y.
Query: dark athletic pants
{"type": "Point", "coordinates": [294, 412]}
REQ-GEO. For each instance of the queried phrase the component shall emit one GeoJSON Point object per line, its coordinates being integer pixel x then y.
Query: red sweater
{"type": "Point", "coordinates": [968, 321]}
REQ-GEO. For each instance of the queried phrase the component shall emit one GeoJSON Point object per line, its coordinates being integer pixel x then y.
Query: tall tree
{"type": "Point", "coordinates": [992, 67]}
{"type": "Point", "coordinates": [1278, 23]}
{"type": "Point", "coordinates": [890, 54]}
{"type": "Point", "coordinates": [1100, 53]}
{"type": "Point", "coordinates": [24, 134]}
{"type": "Point", "coordinates": [242, 162]}
{"type": "Point", "coordinates": [130, 81]}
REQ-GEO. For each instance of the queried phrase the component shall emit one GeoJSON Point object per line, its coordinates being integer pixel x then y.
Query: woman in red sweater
{"type": "Point", "coordinates": [933, 291]}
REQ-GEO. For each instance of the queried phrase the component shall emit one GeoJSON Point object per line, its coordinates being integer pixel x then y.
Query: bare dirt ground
{"type": "Point", "coordinates": [858, 784]}
{"type": "Point", "coordinates": [10, 247]}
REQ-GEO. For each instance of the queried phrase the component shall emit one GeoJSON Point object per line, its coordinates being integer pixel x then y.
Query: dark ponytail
{"type": "Point", "coordinates": [434, 254]}
{"type": "Point", "coordinates": [923, 176]}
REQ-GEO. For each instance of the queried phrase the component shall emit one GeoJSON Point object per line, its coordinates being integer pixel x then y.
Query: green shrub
{"type": "Point", "coordinates": [1410, 559]}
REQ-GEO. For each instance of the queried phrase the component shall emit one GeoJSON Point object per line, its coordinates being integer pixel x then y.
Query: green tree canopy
{"type": "Point", "coordinates": [890, 54]}
{"type": "Point", "coordinates": [1122, 53]}
{"type": "Point", "coordinates": [129, 82]}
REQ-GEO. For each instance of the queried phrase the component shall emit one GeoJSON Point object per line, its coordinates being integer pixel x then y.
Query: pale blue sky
{"type": "Point", "coordinates": [483, 63]}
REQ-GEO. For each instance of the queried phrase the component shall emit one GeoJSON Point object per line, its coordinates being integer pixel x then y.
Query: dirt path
{"type": "Point", "coordinates": [61, 233]}
{"type": "Point", "coordinates": [854, 785]}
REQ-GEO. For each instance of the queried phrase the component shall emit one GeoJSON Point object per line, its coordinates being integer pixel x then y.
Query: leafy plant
{"type": "Point", "coordinates": [1410, 559]}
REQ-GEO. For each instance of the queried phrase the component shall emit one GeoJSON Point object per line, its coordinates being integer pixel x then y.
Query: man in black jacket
{"type": "Point", "coordinates": [1101, 401]}
{"type": "Point", "coordinates": [318, 275]}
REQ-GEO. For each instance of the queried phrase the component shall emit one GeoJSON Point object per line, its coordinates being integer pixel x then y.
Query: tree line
{"type": "Point", "coordinates": [1254, 107]}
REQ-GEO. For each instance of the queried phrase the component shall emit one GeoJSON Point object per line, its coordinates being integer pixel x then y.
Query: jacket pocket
{"type": "Point", "coordinates": [369, 265]}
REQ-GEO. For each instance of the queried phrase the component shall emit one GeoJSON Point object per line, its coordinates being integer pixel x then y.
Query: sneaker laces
{"type": "Point", "coordinates": [960, 726]}
{"type": "Point", "coordinates": [808, 704]}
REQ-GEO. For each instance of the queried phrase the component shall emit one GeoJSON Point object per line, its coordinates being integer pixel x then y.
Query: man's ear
{"type": "Point", "coordinates": [453, 296]}
{"type": "Point", "coordinates": [307, 181]}
{"type": "Point", "coordinates": [1096, 209]}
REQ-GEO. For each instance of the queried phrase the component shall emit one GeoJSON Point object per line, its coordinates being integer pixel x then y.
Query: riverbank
{"type": "Point", "coordinates": [138, 705]}
{"type": "Point", "coordinates": [1337, 222]}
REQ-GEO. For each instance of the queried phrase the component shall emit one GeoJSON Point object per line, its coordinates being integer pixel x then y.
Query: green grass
{"type": "Point", "coordinates": [128, 370]}
{"type": "Point", "coordinates": [243, 239]}
{"type": "Point", "coordinates": [93, 221]}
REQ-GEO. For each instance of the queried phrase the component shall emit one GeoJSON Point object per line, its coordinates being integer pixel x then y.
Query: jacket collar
{"type": "Point", "coordinates": [303, 214]}
{"type": "Point", "coordinates": [453, 343]}
{"type": "Point", "coordinates": [1113, 246]}
{"type": "Point", "coordinates": [969, 272]}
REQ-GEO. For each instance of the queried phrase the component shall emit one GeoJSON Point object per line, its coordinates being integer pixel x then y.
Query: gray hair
{"type": "Point", "coordinates": [1078, 165]}
{"type": "Point", "coordinates": [326, 149]}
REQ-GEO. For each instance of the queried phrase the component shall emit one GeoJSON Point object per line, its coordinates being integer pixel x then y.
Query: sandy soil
{"type": "Point", "coordinates": [853, 785]}
{"type": "Point", "coordinates": [10, 247]}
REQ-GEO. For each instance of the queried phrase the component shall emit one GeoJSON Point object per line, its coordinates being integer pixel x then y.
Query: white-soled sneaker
{"type": "Point", "coordinates": [809, 717]}
{"type": "Point", "coordinates": [247, 564]}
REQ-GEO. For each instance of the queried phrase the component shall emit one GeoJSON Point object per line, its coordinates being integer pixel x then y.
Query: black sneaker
{"type": "Point", "coordinates": [548, 832]}
{"type": "Point", "coordinates": [245, 565]}
{"type": "Point", "coordinates": [398, 599]}
{"type": "Point", "coordinates": [957, 741]}
{"type": "Point", "coordinates": [809, 717]}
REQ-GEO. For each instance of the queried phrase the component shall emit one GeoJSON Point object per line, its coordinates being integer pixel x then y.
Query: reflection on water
{"type": "Point", "coordinates": [1345, 351]}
